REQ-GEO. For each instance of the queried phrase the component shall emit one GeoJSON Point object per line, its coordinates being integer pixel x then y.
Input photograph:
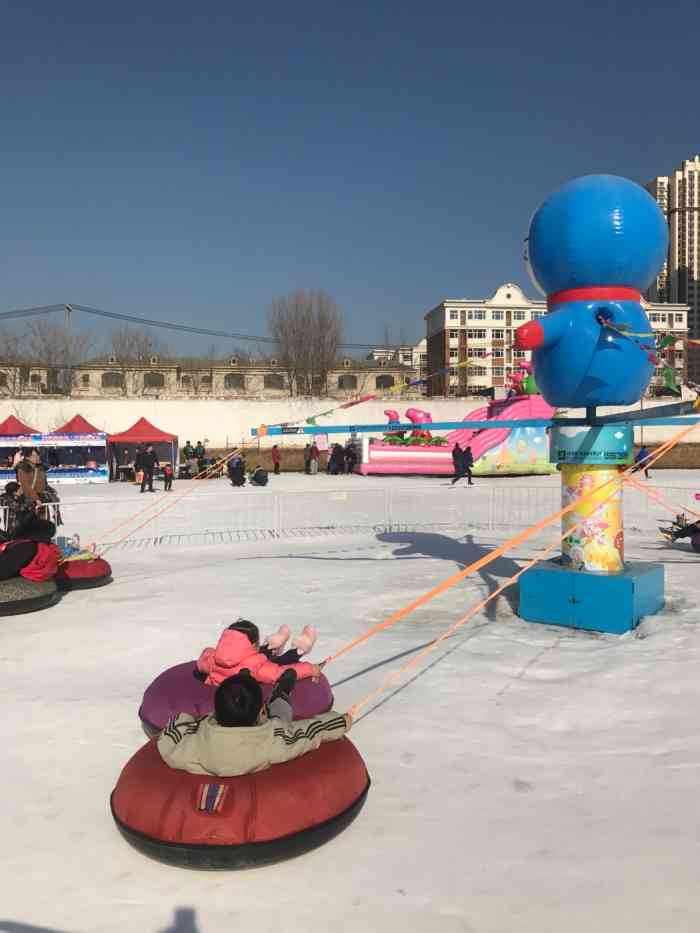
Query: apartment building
{"type": "Point", "coordinates": [478, 332]}
{"type": "Point", "coordinates": [678, 196]}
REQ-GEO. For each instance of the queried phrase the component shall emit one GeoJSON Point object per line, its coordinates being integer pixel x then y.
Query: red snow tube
{"type": "Point", "coordinates": [83, 574]}
{"type": "Point", "coordinates": [203, 821]}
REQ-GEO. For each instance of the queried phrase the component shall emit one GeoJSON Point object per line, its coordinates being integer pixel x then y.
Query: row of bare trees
{"type": "Point", "coordinates": [306, 326]}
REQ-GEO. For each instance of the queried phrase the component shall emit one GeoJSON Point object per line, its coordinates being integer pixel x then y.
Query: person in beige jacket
{"type": "Point", "coordinates": [245, 735]}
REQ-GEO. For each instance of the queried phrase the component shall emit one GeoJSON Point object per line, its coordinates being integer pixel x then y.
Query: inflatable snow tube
{"type": "Point", "coordinates": [83, 574]}
{"type": "Point", "coordinates": [181, 689]}
{"type": "Point", "coordinates": [18, 595]}
{"type": "Point", "coordinates": [208, 822]}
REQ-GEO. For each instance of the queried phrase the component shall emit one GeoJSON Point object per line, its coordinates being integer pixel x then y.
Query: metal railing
{"type": "Point", "coordinates": [239, 514]}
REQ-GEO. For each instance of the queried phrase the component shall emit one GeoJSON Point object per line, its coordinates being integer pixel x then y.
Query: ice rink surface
{"type": "Point", "coordinates": [526, 779]}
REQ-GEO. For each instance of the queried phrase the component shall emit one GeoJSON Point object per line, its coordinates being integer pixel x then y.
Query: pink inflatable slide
{"type": "Point", "coordinates": [495, 450]}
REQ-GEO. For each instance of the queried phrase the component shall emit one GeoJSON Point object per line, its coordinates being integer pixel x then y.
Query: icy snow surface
{"type": "Point", "coordinates": [529, 778]}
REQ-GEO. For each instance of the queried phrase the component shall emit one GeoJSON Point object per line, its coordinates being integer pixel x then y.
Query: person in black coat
{"type": "Point", "coordinates": [463, 461]}
{"type": "Point", "coordinates": [147, 461]}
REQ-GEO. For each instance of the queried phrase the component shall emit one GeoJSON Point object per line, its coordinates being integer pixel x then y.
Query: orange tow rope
{"type": "Point", "coordinates": [446, 584]}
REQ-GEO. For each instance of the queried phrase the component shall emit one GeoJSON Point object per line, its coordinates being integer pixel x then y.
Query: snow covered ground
{"type": "Point", "coordinates": [528, 778]}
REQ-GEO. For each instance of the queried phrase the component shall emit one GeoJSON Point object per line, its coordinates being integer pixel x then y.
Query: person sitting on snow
{"type": "Point", "coordinates": [239, 647]}
{"type": "Point", "coordinates": [258, 477]}
{"type": "Point", "coordinates": [243, 734]}
{"type": "Point", "coordinates": [31, 555]}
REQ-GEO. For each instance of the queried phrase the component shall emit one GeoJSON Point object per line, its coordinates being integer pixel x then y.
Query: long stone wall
{"type": "Point", "coordinates": [225, 423]}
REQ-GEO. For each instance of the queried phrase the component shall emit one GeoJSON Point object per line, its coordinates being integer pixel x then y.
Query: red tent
{"type": "Point", "coordinates": [13, 427]}
{"type": "Point", "coordinates": [143, 432]}
{"type": "Point", "coordinates": [77, 425]}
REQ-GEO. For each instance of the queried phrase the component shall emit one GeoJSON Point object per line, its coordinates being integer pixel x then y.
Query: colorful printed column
{"type": "Point", "coordinates": [590, 459]}
{"type": "Point", "coordinates": [597, 543]}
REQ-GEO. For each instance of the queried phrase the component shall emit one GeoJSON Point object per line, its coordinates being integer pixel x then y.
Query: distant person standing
{"type": "Point", "coordinates": [147, 461]}
{"type": "Point", "coordinates": [276, 460]}
{"type": "Point", "coordinates": [314, 455]}
{"type": "Point", "coordinates": [307, 459]}
{"type": "Point", "coordinates": [640, 461]}
{"type": "Point", "coordinates": [188, 451]}
{"type": "Point", "coordinates": [350, 457]}
{"type": "Point", "coordinates": [457, 462]}
{"type": "Point", "coordinates": [168, 477]}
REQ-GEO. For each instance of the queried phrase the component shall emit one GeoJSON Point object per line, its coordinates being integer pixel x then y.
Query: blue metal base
{"type": "Point", "coordinates": [614, 603]}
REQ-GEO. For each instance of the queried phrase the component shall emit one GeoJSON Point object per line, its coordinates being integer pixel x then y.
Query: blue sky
{"type": "Point", "coordinates": [192, 161]}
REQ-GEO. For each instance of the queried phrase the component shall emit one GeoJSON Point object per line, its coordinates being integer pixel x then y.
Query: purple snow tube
{"type": "Point", "coordinates": [180, 689]}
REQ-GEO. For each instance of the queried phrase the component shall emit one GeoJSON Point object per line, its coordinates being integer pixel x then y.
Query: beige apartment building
{"type": "Point", "coordinates": [678, 196]}
{"type": "Point", "coordinates": [479, 332]}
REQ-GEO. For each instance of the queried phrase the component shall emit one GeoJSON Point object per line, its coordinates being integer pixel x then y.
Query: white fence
{"type": "Point", "coordinates": [238, 515]}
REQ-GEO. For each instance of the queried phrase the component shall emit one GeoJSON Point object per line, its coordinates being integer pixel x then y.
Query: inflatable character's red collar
{"type": "Point", "coordinates": [593, 293]}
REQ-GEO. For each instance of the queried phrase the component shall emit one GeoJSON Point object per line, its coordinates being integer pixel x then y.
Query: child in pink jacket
{"type": "Point", "coordinates": [239, 648]}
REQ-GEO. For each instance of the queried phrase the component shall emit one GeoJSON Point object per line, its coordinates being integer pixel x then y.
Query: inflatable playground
{"type": "Point", "coordinates": [497, 451]}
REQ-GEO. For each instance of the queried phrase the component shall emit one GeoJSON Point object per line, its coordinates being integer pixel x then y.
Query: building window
{"type": "Point", "coordinates": [35, 379]}
{"type": "Point", "coordinates": [497, 315]}
{"type": "Point", "coordinates": [497, 334]}
{"type": "Point", "coordinates": [536, 315]}
{"type": "Point", "coordinates": [234, 381]}
{"type": "Point", "coordinates": [153, 380]}
{"type": "Point", "coordinates": [186, 382]}
{"type": "Point", "coordinates": [679, 319]}
{"type": "Point", "coordinates": [205, 382]}
{"type": "Point", "coordinates": [407, 358]}
{"type": "Point", "coordinates": [518, 315]}
{"type": "Point", "coordinates": [476, 334]}
{"type": "Point", "coordinates": [112, 380]}
{"type": "Point", "coordinates": [518, 354]}
{"type": "Point", "coordinates": [347, 382]}
{"type": "Point", "coordinates": [453, 371]}
{"type": "Point", "coordinates": [85, 379]}
{"type": "Point", "coordinates": [454, 315]}
{"type": "Point", "coordinates": [497, 371]}
{"type": "Point", "coordinates": [476, 315]}
{"type": "Point", "coordinates": [497, 354]}
{"type": "Point", "coordinates": [3, 380]}
{"type": "Point", "coordinates": [477, 351]}
{"type": "Point", "coordinates": [454, 354]}
{"type": "Point", "coordinates": [384, 382]}
{"type": "Point", "coordinates": [273, 381]}
{"type": "Point", "coordinates": [476, 370]}
{"type": "Point", "coordinates": [454, 334]}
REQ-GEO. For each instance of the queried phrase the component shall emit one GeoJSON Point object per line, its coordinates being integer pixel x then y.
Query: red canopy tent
{"type": "Point", "coordinates": [142, 433]}
{"type": "Point", "coordinates": [13, 427]}
{"type": "Point", "coordinates": [77, 425]}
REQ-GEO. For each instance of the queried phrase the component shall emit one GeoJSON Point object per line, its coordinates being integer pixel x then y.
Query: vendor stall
{"type": "Point", "coordinates": [123, 447]}
{"type": "Point", "coordinates": [74, 453]}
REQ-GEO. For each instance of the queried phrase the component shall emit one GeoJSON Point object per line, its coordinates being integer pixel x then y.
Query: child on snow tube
{"type": "Point", "coordinates": [244, 735]}
{"type": "Point", "coordinates": [239, 647]}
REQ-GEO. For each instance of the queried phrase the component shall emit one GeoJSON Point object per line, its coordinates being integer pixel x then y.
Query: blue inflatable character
{"type": "Point", "coordinates": [593, 247]}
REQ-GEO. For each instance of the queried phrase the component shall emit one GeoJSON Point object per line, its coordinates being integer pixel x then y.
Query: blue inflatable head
{"type": "Point", "coordinates": [593, 247]}
{"type": "Point", "coordinates": [597, 230]}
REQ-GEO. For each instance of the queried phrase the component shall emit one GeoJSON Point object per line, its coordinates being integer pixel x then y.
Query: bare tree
{"type": "Point", "coordinates": [308, 328]}
{"type": "Point", "coordinates": [130, 347]}
{"type": "Point", "coordinates": [13, 359]}
{"type": "Point", "coordinates": [55, 348]}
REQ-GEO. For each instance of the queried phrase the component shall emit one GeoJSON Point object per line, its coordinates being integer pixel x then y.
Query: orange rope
{"type": "Point", "coordinates": [168, 505]}
{"type": "Point", "coordinates": [654, 494]}
{"type": "Point", "coordinates": [495, 553]}
{"type": "Point", "coordinates": [397, 674]}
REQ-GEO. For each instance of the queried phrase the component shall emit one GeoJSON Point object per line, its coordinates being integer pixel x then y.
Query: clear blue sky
{"type": "Point", "coordinates": [191, 161]}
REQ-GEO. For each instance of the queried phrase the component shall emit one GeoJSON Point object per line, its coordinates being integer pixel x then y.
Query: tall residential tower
{"type": "Point", "coordinates": [678, 196]}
